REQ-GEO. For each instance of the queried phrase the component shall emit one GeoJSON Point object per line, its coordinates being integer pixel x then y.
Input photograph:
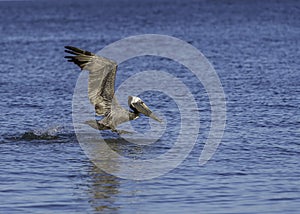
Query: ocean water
{"type": "Point", "coordinates": [254, 47]}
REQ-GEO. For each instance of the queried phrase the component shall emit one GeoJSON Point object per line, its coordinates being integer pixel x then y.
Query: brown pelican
{"type": "Point", "coordinates": [102, 74]}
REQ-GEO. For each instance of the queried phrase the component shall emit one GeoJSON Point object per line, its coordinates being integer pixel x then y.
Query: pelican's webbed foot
{"type": "Point", "coordinates": [120, 132]}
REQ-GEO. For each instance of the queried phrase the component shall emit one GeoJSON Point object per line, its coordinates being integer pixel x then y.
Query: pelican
{"type": "Point", "coordinates": [102, 74]}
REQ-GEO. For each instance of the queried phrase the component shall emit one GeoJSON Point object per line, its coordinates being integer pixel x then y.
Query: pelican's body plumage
{"type": "Point", "coordinates": [101, 90]}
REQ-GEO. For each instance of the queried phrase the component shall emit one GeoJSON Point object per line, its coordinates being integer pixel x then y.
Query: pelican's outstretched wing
{"type": "Point", "coordinates": [102, 74]}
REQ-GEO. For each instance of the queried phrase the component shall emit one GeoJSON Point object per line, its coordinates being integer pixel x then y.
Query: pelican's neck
{"type": "Point", "coordinates": [133, 115]}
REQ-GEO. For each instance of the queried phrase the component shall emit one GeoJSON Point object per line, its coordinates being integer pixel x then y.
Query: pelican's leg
{"type": "Point", "coordinates": [115, 130]}
{"type": "Point", "coordinates": [119, 132]}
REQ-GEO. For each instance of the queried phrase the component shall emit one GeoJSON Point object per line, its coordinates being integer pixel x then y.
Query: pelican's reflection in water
{"type": "Point", "coordinates": [104, 190]}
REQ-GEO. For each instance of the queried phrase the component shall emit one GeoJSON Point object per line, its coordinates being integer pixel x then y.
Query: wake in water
{"type": "Point", "coordinates": [66, 133]}
{"type": "Point", "coordinates": [57, 132]}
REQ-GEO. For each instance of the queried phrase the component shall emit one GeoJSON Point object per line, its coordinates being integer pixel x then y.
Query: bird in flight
{"type": "Point", "coordinates": [101, 90]}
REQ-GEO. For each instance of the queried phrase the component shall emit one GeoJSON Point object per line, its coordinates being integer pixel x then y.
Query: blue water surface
{"type": "Point", "coordinates": [255, 49]}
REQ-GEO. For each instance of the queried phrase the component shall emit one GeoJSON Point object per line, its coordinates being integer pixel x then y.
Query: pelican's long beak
{"type": "Point", "coordinates": [144, 109]}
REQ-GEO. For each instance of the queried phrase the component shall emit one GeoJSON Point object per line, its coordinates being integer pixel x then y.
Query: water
{"type": "Point", "coordinates": [254, 47]}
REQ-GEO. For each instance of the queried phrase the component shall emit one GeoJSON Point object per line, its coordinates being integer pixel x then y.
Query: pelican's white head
{"type": "Point", "coordinates": [138, 106]}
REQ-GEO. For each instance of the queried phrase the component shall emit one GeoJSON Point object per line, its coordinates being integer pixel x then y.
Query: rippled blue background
{"type": "Point", "coordinates": [254, 47]}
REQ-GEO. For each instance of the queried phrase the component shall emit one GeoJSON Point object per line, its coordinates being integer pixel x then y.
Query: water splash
{"type": "Point", "coordinates": [56, 132]}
